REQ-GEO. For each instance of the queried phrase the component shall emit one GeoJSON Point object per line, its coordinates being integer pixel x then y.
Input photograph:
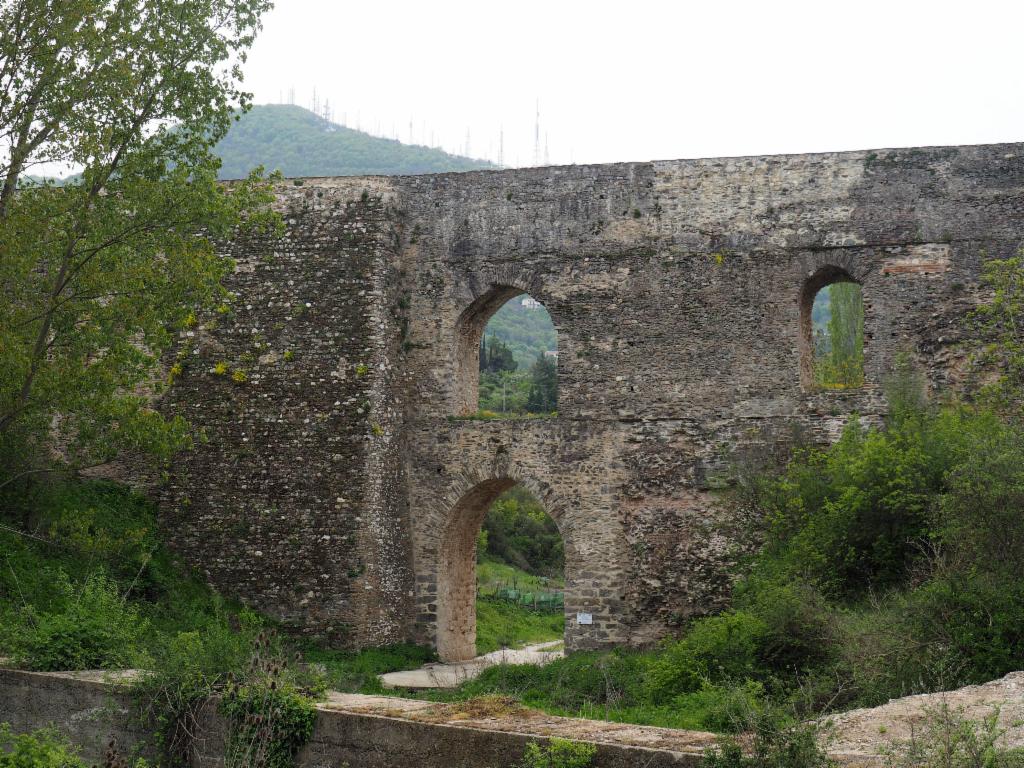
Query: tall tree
{"type": "Point", "coordinates": [840, 353]}
{"type": "Point", "coordinates": [543, 396]}
{"type": "Point", "coordinates": [98, 275]}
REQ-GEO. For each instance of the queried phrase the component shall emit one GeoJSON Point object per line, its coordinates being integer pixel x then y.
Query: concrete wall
{"type": "Point", "coordinates": [345, 502]}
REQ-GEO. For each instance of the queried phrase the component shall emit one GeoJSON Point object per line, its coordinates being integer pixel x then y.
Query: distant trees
{"type": "Point", "coordinates": [518, 375]}
{"type": "Point", "coordinates": [543, 396]}
{"type": "Point", "coordinates": [496, 356]}
{"type": "Point", "coordinates": [519, 532]}
{"type": "Point", "coordinates": [504, 389]}
{"type": "Point", "coordinates": [839, 345]}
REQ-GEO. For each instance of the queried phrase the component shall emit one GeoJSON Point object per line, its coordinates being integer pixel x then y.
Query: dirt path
{"type": "Point", "coordinates": [454, 674]}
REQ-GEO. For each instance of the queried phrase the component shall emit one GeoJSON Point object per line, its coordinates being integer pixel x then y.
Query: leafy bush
{"type": "Point", "coordinates": [558, 753]}
{"type": "Point", "coordinates": [777, 742]}
{"type": "Point", "coordinates": [96, 629]}
{"type": "Point", "coordinates": [44, 748]}
{"type": "Point", "coordinates": [270, 720]}
{"type": "Point", "coordinates": [721, 648]}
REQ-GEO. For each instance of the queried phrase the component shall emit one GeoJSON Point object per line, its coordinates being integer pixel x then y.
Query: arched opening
{"type": "Point", "coordinates": [501, 573]}
{"type": "Point", "coordinates": [507, 357]}
{"type": "Point", "coordinates": [832, 331]}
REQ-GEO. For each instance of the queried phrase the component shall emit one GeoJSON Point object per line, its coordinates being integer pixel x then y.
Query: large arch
{"type": "Point", "coordinates": [456, 564]}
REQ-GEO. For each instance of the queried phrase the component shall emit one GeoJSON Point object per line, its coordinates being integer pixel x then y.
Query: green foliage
{"type": "Point", "coordinates": [998, 331]}
{"type": "Point", "coordinates": [838, 318]}
{"type": "Point", "coordinates": [44, 748]}
{"type": "Point", "coordinates": [77, 555]}
{"type": "Point", "coordinates": [617, 686]}
{"type": "Point", "coordinates": [269, 717]}
{"type": "Point", "coordinates": [495, 356]}
{"type": "Point", "coordinates": [920, 518]}
{"type": "Point", "coordinates": [777, 742]}
{"type": "Point", "coordinates": [508, 625]}
{"type": "Point", "coordinates": [558, 753]}
{"type": "Point", "coordinates": [950, 740]}
{"type": "Point", "coordinates": [99, 274]}
{"type": "Point", "coordinates": [520, 533]}
{"type": "Point", "coordinates": [849, 518]}
{"type": "Point", "coordinates": [527, 331]}
{"type": "Point", "coordinates": [297, 142]}
{"type": "Point", "coordinates": [721, 648]}
{"type": "Point", "coordinates": [516, 377]}
{"type": "Point", "coordinates": [543, 396]}
{"type": "Point", "coordinates": [357, 671]}
{"type": "Point", "coordinates": [96, 629]}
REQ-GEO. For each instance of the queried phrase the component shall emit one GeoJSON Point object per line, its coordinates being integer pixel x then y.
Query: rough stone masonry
{"type": "Point", "coordinates": [337, 482]}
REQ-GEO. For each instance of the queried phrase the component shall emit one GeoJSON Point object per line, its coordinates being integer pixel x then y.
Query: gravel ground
{"type": "Point", "coordinates": [860, 734]}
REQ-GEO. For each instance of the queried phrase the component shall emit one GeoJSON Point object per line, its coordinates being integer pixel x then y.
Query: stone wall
{"type": "Point", "coordinates": [345, 499]}
{"type": "Point", "coordinates": [289, 500]}
{"type": "Point", "coordinates": [367, 734]}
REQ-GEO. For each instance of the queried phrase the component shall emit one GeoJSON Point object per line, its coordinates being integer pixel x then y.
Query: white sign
{"type": "Point", "coordinates": [584, 618]}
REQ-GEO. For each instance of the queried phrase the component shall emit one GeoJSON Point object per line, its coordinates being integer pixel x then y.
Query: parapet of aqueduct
{"type": "Point", "coordinates": [338, 489]}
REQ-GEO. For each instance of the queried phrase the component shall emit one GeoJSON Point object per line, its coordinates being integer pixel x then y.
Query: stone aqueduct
{"type": "Point", "coordinates": [337, 487]}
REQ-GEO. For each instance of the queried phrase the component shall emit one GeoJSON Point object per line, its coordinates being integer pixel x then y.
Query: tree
{"type": "Point", "coordinates": [840, 351]}
{"type": "Point", "coordinates": [100, 273]}
{"type": "Point", "coordinates": [496, 357]}
{"type": "Point", "coordinates": [543, 396]}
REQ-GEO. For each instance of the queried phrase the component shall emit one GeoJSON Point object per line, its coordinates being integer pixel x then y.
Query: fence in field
{"type": "Point", "coordinates": [532, 597]}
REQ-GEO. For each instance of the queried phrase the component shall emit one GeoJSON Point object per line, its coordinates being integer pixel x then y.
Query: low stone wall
{"type": "Point", "coordinates": [353, 731]}
{"type": "Point", "coordinates": [87, 710]}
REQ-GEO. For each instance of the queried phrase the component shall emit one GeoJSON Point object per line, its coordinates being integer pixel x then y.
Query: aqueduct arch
{"type": "Point", "coordinates": [330, 472]}
{"type": "Point", "coordinates": [456, 568]}
{"type": "Point", "coordinates": [469, 327]}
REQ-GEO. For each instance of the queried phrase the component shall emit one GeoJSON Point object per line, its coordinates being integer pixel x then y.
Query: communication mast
{"type": "Point", "coordinates": [536, 137]}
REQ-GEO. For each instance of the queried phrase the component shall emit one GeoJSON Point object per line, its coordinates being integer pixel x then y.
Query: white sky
{"type": "Point", "coordinates": [643, 80]}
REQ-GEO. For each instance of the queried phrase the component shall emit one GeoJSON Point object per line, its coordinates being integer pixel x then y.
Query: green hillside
{"type": "Point", "coordinates": [297, 142]}
{"type": "Point", "coordinates": [528, 332]}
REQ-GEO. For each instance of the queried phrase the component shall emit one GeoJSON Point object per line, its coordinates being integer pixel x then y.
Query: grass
{"type": "Point", "coordinates": [501, 624]}
{"type": "Point", "coordinates": [612, 686]}
{"type": "Point", "coordinates": [491, 573]}
{"type": "Point", "coordinates": [506, 625]}
{"type": "Point", "coordinates": [59, 538]}
{"type": "Point", "coordinates": [357, 671]}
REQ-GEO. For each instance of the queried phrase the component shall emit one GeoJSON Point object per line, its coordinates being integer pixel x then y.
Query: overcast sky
{"type": "Point", "coordinates": [640, 80]}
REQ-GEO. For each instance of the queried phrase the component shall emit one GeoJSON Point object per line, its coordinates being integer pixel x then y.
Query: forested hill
{"type": "Point", "coordinates": [297, 142]}
{"type": "Point", "coordinates": [527, 330]}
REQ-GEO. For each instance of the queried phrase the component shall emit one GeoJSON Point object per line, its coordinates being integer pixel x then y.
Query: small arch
{"type": "Point", "coordinates": [831, 352]}
{"type": "Point", "coordinates": [456, 576]}
{"type": "Point", "coordinates": [470, 337]}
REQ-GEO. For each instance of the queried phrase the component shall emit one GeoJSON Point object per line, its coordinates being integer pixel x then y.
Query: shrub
{"type": "Point", "coordinates": [95, 629]}
{"type": "Point", "coordinates": [44, 748]}
{"type": "Point", "coordinates": [558, 753]}
{"type": "Point", "coordinates": [777, 743]}
{"type": "Point", "coordinates": [187, 668]}
{"type": "Point", "coordinates": [720, 648]}
{"type": "Point", "coordinates": [270, 720]}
